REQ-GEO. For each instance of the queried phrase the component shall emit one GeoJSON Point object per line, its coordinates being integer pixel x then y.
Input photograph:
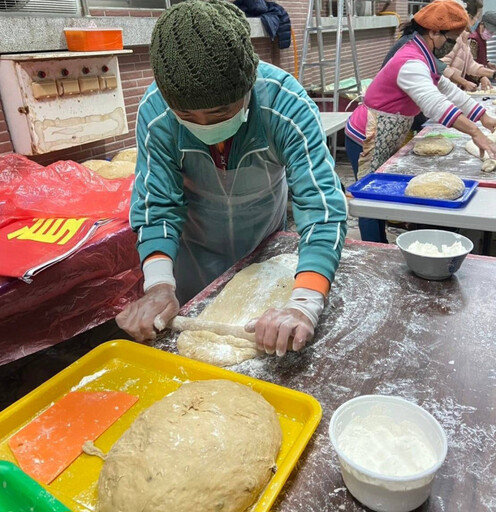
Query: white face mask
{"type": "Point", "coordinates": [486, 35]}
{"type": "Point", "coordinates": [218, 132]}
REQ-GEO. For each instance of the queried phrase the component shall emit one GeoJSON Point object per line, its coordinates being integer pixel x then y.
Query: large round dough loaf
{"type": "Point", "coordinates": [435, 185]}
{"type": "Point", "coordinates": [211, 446]}
{"type": "Point", "coordinates": [126, 155]}
{"type": "Point", "coordinates": [433, 146]}
{"type": "Point", "coordinates": [111, 170]}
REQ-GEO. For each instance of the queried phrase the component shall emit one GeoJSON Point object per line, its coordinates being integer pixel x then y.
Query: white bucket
{"type": "Point", "coordinates": [388, 493]}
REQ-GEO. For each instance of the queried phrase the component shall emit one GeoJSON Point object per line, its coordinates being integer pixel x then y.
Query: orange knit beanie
{"type": "Point", "coordinates": [442, 15]}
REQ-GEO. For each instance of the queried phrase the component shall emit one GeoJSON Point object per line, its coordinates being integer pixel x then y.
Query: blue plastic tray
{"type": "Point", "coordinates": [391, 187]}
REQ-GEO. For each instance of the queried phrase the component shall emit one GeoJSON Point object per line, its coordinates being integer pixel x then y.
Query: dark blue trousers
{"type": "Point", "coordinates": [371, 230]}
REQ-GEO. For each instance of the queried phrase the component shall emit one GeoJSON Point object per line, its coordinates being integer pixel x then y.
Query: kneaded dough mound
{"type": "Point", "coordinates": [126, 155]}
{"type": "Point", "coordinates": [433, 146]}
{"type": "Point", "coordinates": [94, 165]}
{"type": "Point", "coordinates": [211, 446]}
{"type": "Point", "coordinates": [435, 185]}
{"type": "Point", "coordinates": [111, 170]}
{"type": "Point", "coordinates": [488, 165]}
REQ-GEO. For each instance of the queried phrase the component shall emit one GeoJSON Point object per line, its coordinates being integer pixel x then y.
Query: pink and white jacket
{"type": "Point", "coordinates": [461, 59]}
{"type": "Point", "coordinates": [410, 84]}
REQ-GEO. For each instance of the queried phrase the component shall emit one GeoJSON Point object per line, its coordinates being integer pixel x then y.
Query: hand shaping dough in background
{"type": "Point", "coordinates": [211, 446]}
{"type": "Point", "coordinates": [488, 164]}
{"type": "Point", "coordinates": [250, 293]}
{"type": "Point", "coordinates": [435, 185]}
{"type": "Point", "coordinates": [433, 146]}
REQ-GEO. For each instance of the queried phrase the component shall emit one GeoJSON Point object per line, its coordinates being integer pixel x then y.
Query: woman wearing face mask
{"type": "Point", "coordinates": [479, 37]}
{"type": "Point", "coordinates": [408, 84]}
{"type": "Point", "coordinates": [220, 137]}
{"type": "Point", "coordinates": [459, 60]}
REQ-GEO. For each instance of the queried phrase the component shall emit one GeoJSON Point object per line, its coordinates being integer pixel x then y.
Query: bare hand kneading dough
{"type": "Point", "coordinates": [488, 164]}
{"type": "Point", "coordinates": [248, 295]}
{"type": "Point", "coordinates": [211, 446]}
{"type": "Point", "coordinates": [433, 146]}
{"type": "Point", "coordinates": [435, 185]}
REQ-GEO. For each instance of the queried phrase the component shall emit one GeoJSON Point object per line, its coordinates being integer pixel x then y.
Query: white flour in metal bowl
{"type": "Point", "coordinates": [427, 249]}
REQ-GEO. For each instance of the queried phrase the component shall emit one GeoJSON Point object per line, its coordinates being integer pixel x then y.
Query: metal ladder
{"type": "Point", "coordinates": [314, 8]}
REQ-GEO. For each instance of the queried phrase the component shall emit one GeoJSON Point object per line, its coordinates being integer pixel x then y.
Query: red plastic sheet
{"type": "Point", "coordinates": [81, 292]}
{"type": "Point", "coordinates": [87, 288]}
{"type": "Point", "coordinates": [62, 189]}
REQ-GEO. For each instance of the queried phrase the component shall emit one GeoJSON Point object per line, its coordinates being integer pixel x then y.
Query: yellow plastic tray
{"type": "Point", "coordinates": [150, 374]}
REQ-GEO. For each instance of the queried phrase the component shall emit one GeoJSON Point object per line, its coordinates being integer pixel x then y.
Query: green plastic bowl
{"type": "Point", "coordinates": [20, 493]}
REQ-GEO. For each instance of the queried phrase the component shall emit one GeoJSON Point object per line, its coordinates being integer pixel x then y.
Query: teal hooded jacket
{"type": "Point", "coordinates": [182, 205]}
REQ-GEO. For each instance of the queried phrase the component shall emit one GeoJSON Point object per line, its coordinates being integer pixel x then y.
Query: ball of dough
{"type": "Point", "coordinates": [127, 155]}
{"type": "Point", "coordinates": [435, 185]}
{"type": "Point", "coordinates": [111, 170]}
{"type": "Point", "coordinates": [433, 146]}
{"type": "Point", "coordinates": [488, 165]}
{"type": "Point", "coordinates": [94, 165]}
{"type": "Point", "coordinates": [211, 446]}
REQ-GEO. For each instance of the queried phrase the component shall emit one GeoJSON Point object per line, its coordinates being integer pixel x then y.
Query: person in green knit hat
{"type": "Point", "coordinates": [221, 136]}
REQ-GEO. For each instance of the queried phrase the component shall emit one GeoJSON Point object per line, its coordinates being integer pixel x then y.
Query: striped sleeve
{"type": "Point", "coordinates": [318, 202]}
{"type": "Point", "coordinates": [469, 106]}
{"type": "Point", "coordinates": [415, 79]}
{"type": "Point", "coordinates": [476, 113]}
{"type": "Point", "coordinates": [450, 116]}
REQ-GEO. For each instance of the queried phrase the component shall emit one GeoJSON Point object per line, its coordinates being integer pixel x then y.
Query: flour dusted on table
{"type": "Point", "coordinates": [210, 446]}
{"type": "Point", "coordinates": [379, 443]}
{"type": "Point", "coordinates": [427, 249]}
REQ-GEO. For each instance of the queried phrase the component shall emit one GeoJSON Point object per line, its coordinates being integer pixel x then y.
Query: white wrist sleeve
{"type": "Point", "coordinates": [158, 271]}
{"type": "Point", "coordinates": [309, 302]}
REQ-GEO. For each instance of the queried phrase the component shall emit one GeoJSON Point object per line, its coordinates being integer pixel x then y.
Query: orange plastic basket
{"type": "Point", "coordinates": [93, 39]}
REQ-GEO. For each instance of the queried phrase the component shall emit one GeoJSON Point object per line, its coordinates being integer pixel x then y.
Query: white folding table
{"type": "Point", "coordinates": [334, 121]}
{"type": "Point", "coordinates": [480, 213]}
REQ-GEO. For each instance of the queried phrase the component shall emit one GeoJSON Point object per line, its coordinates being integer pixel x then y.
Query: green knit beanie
{"type": "Point", "coordinates": [202, 56]}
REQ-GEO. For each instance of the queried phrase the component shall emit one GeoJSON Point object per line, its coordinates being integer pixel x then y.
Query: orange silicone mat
{"type": "Point", "coordinates": [51, 442]}
{"type": "Point", "coordinates": [150, 374]}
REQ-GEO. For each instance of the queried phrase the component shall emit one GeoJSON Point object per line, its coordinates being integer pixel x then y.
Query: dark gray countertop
{"type": "Point", "coordinates": [384, 331]}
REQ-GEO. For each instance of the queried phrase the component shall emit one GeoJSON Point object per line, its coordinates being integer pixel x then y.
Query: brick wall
{"type": "Point", "coordinates": [136, 73]}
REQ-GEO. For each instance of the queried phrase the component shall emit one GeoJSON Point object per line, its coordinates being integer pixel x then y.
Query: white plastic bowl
{"type": "Point", "coordinates": [434, 268]}
{"type": "Point", "coordinates": [376, 491]}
